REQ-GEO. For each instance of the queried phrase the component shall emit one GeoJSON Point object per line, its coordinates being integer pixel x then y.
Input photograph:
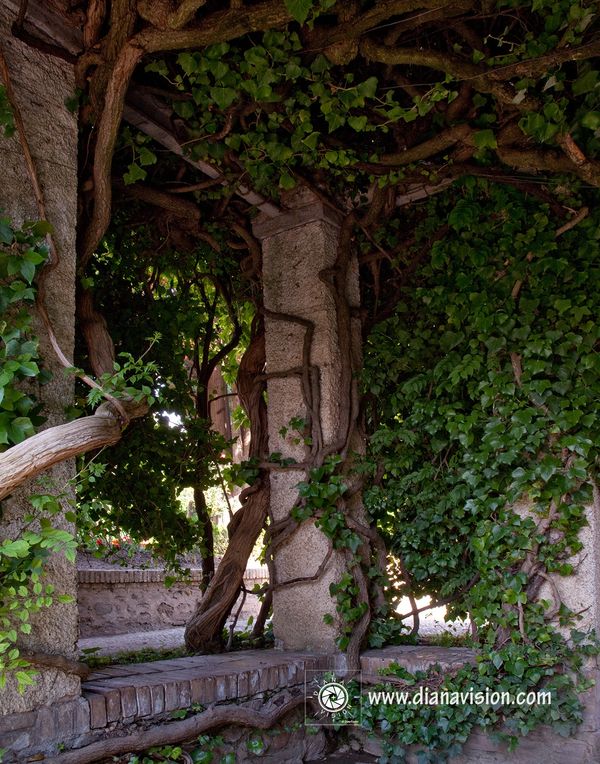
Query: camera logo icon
{"type": "Point", "coordinates": [333, 697]}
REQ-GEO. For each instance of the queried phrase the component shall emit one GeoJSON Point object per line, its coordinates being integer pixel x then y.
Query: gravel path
{"type": "Point", "coordinates": [165, 639]}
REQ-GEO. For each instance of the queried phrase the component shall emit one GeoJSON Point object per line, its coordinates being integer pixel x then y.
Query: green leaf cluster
{"type": "Point", "coordinates": [23, 252]}
{"type": "Point", "coordinates": [291, 107]}
{"type": "Point", "coordinates": [488, 431]}
{"type": "Point", "coordinates": [23, 591]}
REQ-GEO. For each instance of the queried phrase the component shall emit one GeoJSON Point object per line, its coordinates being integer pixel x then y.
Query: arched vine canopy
{"type": "Point", "coordinates": [460, 142]}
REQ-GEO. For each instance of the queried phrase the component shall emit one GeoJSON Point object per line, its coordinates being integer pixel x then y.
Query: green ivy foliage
{"type": "Point", "coordinates": [144, 292]}
{"type": "Point", "coordinates": [486, 426]}
{"type": "Point", "coordinates": [23, 591]}
{"type": "Point", "coordinates": [272, 109]}
{"type": "Point", "coordinates": [22, 253]}
{"type": "Point", "coordinates": [461, 438]}
{"type": "Point", "coordinates": [435, 733]}
{"type": "Point", "coordinates": [293, 104]}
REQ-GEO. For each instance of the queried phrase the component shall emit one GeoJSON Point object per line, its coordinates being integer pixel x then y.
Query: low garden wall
{"type": "Point", "coordinates": [126, 600]}
{"type": "Point", "coordinates": [240, 689]}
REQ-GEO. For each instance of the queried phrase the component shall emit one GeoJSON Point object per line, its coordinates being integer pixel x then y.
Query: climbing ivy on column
{"type": "Point", "coordinates": [487, 409]}
{"type": "Point", "coordinates": [23, 591]}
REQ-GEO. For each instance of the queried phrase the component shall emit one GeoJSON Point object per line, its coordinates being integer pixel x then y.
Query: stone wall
{"type": "Point", "coordinates": [297, 246]}
{"type": "Point", "coordinates": [119, 700]}
{"type": "Point", "coordinates": [123, 601]}
{"type": "Point", "coordinates": [42, 84]}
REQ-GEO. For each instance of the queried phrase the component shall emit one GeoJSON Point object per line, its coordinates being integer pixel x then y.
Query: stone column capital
{"type": "Point", "coordinates": [300, 207]}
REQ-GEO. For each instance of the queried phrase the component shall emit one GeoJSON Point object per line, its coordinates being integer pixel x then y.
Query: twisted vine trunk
{"type": "Point", "coordinates": [204, 630]}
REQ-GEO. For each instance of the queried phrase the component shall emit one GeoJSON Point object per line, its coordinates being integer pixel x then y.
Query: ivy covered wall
{"type": "Point", "coordinates": [42, 84]}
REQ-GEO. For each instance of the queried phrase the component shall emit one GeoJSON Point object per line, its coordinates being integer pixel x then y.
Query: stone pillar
{"type": "Point", "coordinates": [296, 246]}
{"type": "Point", "coordinates": [42, 83]}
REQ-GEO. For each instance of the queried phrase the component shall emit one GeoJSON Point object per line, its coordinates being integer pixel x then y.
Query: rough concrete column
{"type": "Point", "coordinates": [42, 84]}
{"type": "Point", "coordinates": [296, 246]}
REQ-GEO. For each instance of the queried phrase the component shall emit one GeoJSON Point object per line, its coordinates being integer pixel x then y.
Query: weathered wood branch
{"type": "Point", "coordinates": [480, 78]}
{"type": "Point", "coordinates": [204, 629]}
{"type": "Point", "coordinates": [536, 161]}
{"type": "Point", "coordinates": [176, 205]}
{"type": "Point", "coordinates": [379, 13]}
{"type": "Point", "coordinates": [107, 131]}
{"type": "Point", "coordinates": [36, 454]}
{"type": "Point", "coordinates": [218, 27]}
{"type": "Point", "coordinates": [429, 148]}
{"type": "Point", "coordinates": [185, 12]}
{"type": "Point", "coordinates": [101, 349]}
{"type": "Point", "coordinates": [48, 660]}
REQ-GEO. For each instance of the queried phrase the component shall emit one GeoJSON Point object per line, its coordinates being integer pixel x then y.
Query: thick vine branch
{"type": "Point", "coordinates": [107, 131]}
{"type": "Point", "coordinates": [36, 454]}
{"type": "Point", "coordinates": [61, 662]}
{"type": "Point", "coordinates": [175, 732]}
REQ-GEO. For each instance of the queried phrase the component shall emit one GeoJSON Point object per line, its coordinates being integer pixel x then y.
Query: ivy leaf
{"type": "Point", "coordinates": [146, 156]}
{"type": "Point", "coordinates": [368, 88]}
{"type": "Point", "coordinates": [463, 215]}
{"type": "Point", "coordinates": [591, 120]}
{"type": "Point", "coordinates": [134, 173]}
{"type": "Point", "coordinates": [27, 270]}
{"type": "Point", "coordinates": [21, 428]}
{"type": "Point", "coordinates": [42, 228]}
{"type": "Point", "coordinates": [18, 548]}
{"type": "Point", "coordinates": [299, 9]}
{"type": "Point", "coordinates": [312, 140]}
{"type": "Point", "coordinates": [286, 181]}
{"type": "Point", "coordinates": [358, 123]}
{"type": "Point", "coordinates": [6, 233]}
{"type": "Point", "coordinates": [485, 139]}
{"type": "Point", "coordinates": [223, 97]}
{"type": "Point", "coordinates": [585, 83]}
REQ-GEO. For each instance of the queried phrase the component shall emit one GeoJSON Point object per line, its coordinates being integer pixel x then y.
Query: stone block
{"type": "Point", "coordinates": [171, 696]}
{"type": "Point", "coordinates": [254, 682]}
{"type": "Point", "coordinates": [113, 705]}
{"type": "Point", "coordinates": [82, 716]}
{"type": "Point", "coordinates": [244, 684]}
{"type": "Point", "coordinates": [13, 722]}
{"type": "Point", "coordinates": [97, 704]}
{"type": "Point", "coordinates": [157, 693]}
{"type": "Point", "coordinates": [221, 687]}
{"type": "Point", "coordinates": [16, 741]}
{"type": "Point", "coordinates": [184, 694]}
{"type": "Point", "coordinates": [45, 726]}
{"type": "Point", "coordinates": [64, 715]}
{"type": "Point", "coordinates": [129, 707]}
{"type": "Point", "coordinates": [203, 690]}
{"type": "Point", "coordinates": [415, 658]}
{"type": "Point", "coordinates": [271, 678]}
{"type": "Point", "coordinates": [144, 701]}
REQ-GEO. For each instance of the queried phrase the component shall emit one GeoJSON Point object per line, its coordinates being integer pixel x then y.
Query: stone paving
{"type": "Point", "coordinates": [163, 639]}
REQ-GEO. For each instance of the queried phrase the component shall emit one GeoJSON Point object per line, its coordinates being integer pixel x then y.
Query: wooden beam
{"type": "Point", "coordinates": [44, 22]}
{"type": "Point", "coordinates": [152, 117]}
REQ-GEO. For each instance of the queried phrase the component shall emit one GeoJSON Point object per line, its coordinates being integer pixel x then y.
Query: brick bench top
{"type": "Point", "coordinates": [124, 693]}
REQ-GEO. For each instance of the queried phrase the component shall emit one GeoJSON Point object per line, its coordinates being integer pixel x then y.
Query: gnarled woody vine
{"type": "Point", "coordinates": [521, 100]}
